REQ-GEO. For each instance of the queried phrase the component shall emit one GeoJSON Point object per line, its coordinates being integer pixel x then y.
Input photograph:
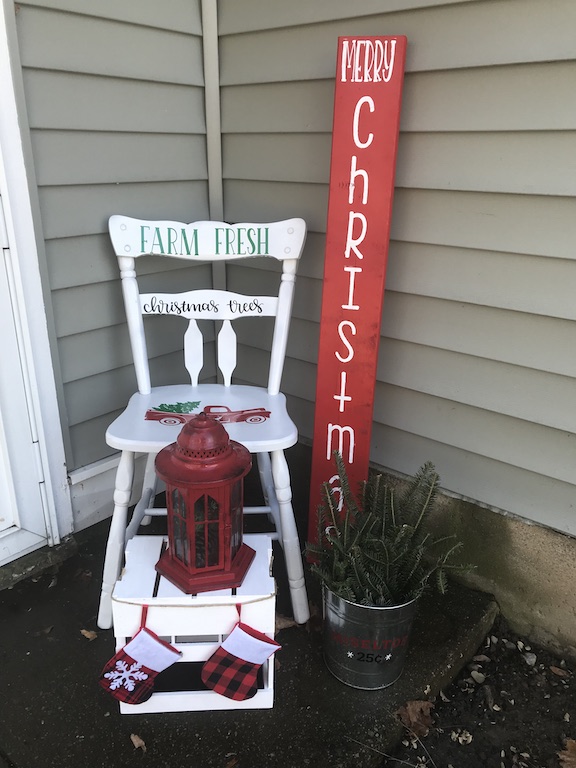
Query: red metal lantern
{"type": "Point", "coordinates": [204, 472]}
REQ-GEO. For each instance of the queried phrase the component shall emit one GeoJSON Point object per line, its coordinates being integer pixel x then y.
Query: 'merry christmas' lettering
{"type": "Point", "coordinates": [364, 144]}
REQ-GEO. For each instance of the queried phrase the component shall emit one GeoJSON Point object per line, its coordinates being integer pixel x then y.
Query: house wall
{"type": "Point", "coordinates": [114, 93]}
{"type": "Point", "coordinates": [475, 369]}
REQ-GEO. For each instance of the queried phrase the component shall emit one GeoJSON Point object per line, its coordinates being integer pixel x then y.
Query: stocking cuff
{"type": "Point", "coordinates": [249, 644]}
{"type": "Point", "coordinates": [149, 651]}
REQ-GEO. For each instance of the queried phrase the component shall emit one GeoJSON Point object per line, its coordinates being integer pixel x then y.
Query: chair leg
{"type": "Point", "coordinates": [115, 545]}
{"type": "Point", "coordinates": [149, 488]}
{"type": "Point", "coordinates": [268, 491]}
{"type": "Point", "coordinates": [290, 541]}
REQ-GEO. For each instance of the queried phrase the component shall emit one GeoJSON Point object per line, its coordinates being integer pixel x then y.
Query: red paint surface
{"type": "Point", "coordinates": [369, 77]}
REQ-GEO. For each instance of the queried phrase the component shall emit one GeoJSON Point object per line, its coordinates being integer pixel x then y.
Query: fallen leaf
{"type": "Point", "coordinates": [231, 763]}
{"type": "Point", "coordinates": [559, 672]}
{"type": "Point", "coordinates": [568, 754]}
{"type": "Point", "coordinates": [481, 657]}
{"type": "Point", "coordinates": [314, 623]}
{"type": "Point", "coordinates": [478, 677]}
{"type": "Point", "coordinates": [415, 716]}
{"type": "Point", "coordinates": [138, 742]}
{"type": "Point", "coordinates": [44, 631]}
{"type": "Point", "coordinates": [462, 736]}
{"type": "Point", "coordinates": [489, 696]}
{"type": "Point", "coordinates": [82, 574]}
{"type": "Point", "coordinates": [89, 634]}
{"type": "Point", "coordinates": [283, 622]}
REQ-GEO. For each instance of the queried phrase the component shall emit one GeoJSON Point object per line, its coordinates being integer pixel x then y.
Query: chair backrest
{"type": "Point", "coordinates": [207, 241]}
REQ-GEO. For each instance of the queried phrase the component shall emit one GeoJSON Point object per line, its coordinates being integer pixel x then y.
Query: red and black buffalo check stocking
{"type": "Point", "coordinates": [232, 670]}
{"type": "Point", "coordinates": [129, 675]}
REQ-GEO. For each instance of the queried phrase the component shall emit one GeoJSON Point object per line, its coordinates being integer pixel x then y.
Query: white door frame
{"type": "Point", "coordinates": [28, 302]}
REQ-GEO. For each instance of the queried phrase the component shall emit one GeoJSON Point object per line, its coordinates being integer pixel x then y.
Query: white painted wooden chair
{"type": "Point", "coordinates": [254, 416]}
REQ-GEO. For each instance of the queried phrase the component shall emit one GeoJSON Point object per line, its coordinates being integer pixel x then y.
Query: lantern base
{"type": "Point", "coordinates": [206, 581]}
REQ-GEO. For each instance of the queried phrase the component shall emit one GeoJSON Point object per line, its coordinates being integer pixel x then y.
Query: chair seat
{"type": "Point", "coordinates": [251, 416]}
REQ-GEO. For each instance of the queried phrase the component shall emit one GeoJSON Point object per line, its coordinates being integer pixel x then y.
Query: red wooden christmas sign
{"type": "Point", "coordinates": [369, 76]}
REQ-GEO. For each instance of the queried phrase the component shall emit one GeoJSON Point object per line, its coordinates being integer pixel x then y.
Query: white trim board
{"type": "Point", "coordinates": [24, 236]}
{"type": "Point", "coordinates": [92, 488]}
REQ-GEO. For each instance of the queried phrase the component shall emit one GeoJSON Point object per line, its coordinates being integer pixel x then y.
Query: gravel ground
{"type": "Point", "coordinates": [513, 705]}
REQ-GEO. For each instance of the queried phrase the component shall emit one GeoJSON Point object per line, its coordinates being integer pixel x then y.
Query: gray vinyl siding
{"type": "Point", "coordinates": [115, 99]}
{"type": "Point", "coordinates": [476, 369]}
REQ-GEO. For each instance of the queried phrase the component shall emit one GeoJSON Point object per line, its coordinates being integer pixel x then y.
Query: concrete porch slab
{"type": "Point", "coordinates": [55, 714]}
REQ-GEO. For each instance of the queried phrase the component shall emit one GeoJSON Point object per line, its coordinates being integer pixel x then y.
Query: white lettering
{"type": "Point", "coordinates": [367, 61]}
{"type": "Point", "coordinates": [352, 242]}
{"type": "Point", "coordinates": [347, 344]}
{"type": "Point", "coordinates": [389, 62]}
{"type": "Point", "coordinates": [353, 173]}
{"type": "Point", "coordinates": [362, 144]}
{"type": "Point", "coordinates": [337, 491]}
{"type": "Point", "coordinates": [342, 397]}
{"type": "Point", "coordinates": [341, 431]}
{"type": "Point", "coordinates": [352, 271]}
{"type": "Point", "coordinates": [347, 58]}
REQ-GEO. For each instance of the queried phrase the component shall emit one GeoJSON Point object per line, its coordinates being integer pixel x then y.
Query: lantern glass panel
{"type": "Point", "coordinates": [181, 546]}
{"type": "Point", "coordinates": [200, 561]}
{"type": "Point", "coordinates": [213, 532]}
{"type": "Point", "coordinates": [200, 509]}
{"type": "Point", "coordinates": [236, 510]}
{"type": "Point", "coordinates": [199, 532]}
{"type": "Point", "coordinates": [207, 532]}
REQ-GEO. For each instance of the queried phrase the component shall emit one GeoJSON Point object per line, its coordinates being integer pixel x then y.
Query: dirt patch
{"type": "Point", "coordinates": [513, 705]}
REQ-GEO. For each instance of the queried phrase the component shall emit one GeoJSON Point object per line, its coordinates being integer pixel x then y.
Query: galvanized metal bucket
{"type": "Point", "coordinates": [365, 646]}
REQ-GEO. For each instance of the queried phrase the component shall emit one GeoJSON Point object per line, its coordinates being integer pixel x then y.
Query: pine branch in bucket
{"type": "Point", "coordinates": [373, 548]}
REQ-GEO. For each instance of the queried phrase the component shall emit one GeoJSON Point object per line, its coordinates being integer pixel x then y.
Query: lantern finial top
{"type": "Point", "coordinates": [203, 438]}
{"type": "Point", "coordinates": [202, 453]}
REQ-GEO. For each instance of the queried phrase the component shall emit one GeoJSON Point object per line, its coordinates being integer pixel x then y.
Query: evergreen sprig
{"type": "Point", "coordinates": [372, 549]}
{"type": "Point", "coordinates": [187, 407]}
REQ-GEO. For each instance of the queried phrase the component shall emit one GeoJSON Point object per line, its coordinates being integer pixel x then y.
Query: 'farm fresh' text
{"type": "Point", "coordinates": [228, 241]}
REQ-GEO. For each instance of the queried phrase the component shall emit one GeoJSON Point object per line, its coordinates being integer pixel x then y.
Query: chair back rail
{"type": "Point", "coordinates": [208, 241]}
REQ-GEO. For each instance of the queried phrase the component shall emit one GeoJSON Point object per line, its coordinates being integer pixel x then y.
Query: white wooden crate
{"type": "Point", "coordinates": [195, 624]}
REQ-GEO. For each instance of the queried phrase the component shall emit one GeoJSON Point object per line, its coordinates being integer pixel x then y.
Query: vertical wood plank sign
{"type": "Point", "coordinates": [369, 76]}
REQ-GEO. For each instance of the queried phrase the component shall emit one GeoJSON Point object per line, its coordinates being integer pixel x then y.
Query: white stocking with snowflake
{"type": "Point", "coordinates": [129, 675]}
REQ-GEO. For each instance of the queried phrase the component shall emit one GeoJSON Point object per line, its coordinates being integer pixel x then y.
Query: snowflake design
{"type": "Point", "coordinates": [125, 676]}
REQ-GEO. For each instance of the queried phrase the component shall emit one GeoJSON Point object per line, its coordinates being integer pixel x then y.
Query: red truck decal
{"type": "Point", "coordinates": [221, 413]}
